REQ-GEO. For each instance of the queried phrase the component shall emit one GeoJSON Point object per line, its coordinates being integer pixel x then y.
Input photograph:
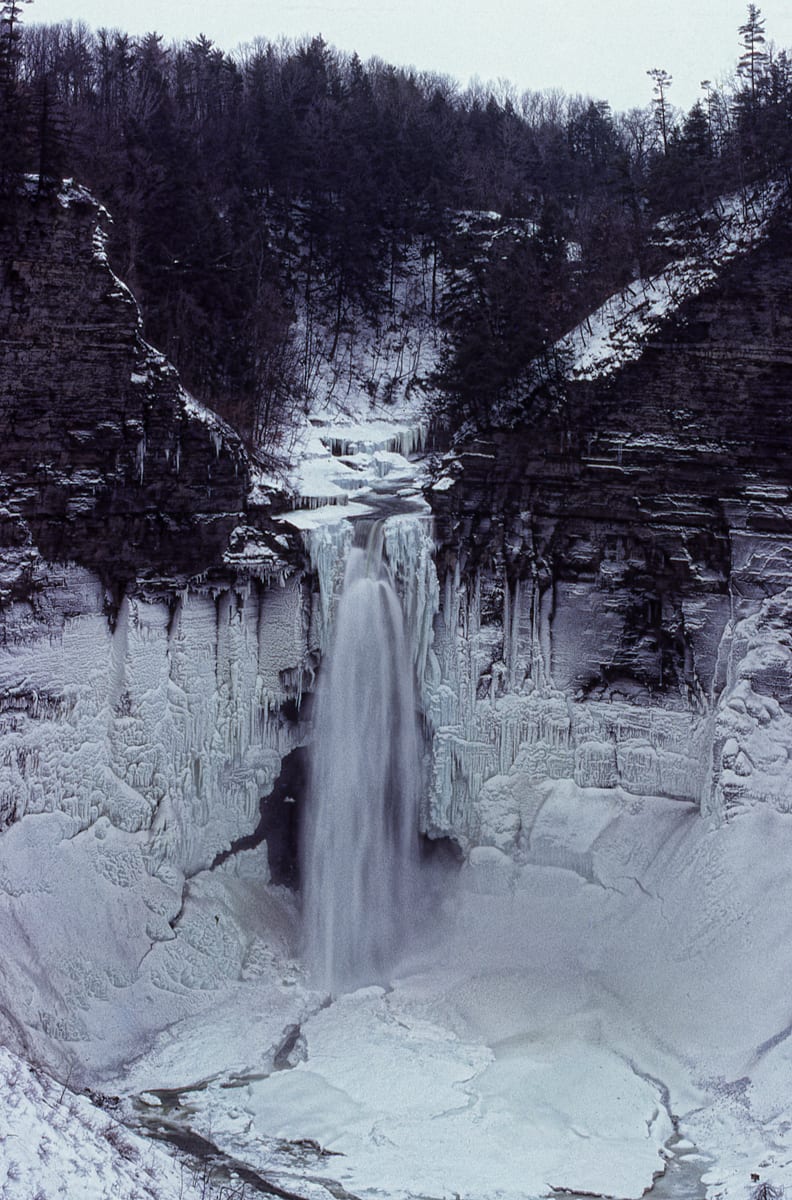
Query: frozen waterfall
{"type": "Point", "coordinates": [360, 838]}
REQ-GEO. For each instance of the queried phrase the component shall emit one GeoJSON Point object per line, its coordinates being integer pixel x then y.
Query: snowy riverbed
{"type": "Point", "coordinates": [550, 1029]}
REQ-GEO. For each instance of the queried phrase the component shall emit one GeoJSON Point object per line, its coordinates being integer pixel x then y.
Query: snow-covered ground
{"type": "Point", "coordinates": [554, 1026]}
{"type": "Point", "coordinates": [55, 1144]}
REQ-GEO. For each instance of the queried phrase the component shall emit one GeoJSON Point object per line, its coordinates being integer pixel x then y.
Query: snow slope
{"type": "Point", "coordinates": [617, 332]}
{"type": "Point", "coordinates": [54, 1143]}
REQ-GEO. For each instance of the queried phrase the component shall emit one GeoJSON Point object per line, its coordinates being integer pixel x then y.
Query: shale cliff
{"type": "Point", "coordinates": [153, 627]}
{"type": "Point", "coordinates": [601, 554]}
{"type": "Point", "coordinates": [641, 510]}
{"type": "Point", "coordinates": [104, 460]}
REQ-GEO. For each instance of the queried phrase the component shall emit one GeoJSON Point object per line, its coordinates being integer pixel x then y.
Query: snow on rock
{"type": "Point", "coordinates": [752, 744]}
{"type": "Point", "coordinates": [359, 461]}
{"type": "Point", "coordinates": [365, 414]}
{"type": "Point", "coordinates": [617, 332]}
{"type": "Point", "coordinates": [101, 953]}
{"type": "Point", "coordinates": [54, 1143]}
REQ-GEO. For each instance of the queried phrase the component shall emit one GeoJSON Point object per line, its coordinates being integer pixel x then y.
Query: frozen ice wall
{"type": "Point", "coordinates": [752, 724]}
{"type": "Point", "coordinates": [166, 722]}
{"type": "Point", "coordinates": [133, 752]}
{"type": "Point", "coordinates": [503, 725]}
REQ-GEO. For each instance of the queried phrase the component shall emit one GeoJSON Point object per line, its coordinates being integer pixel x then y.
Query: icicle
{"type": "Point", "coordinates": [409, 547]}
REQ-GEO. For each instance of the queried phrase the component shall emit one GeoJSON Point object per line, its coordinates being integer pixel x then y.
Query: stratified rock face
{"type": "Point", "coordinates": [104, 460]}
{"type": "Point", "coordinates": [639, 510]}
{"type": "Point", "coordinates": [601, 561]}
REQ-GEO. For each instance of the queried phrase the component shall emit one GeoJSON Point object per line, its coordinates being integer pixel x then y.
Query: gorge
{"type": "Point", "coordinates": [566, 971]}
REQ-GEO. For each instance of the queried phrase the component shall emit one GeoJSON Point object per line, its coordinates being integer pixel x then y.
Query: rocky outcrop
{"type": "Point", "coordinates": [641, 510]}
{"type": "Point", "coordinates": [153, 644]}
{"type": "Point", "coordinates": [104, 460]}
{"type": "Point", "coordinates": [603, 559]}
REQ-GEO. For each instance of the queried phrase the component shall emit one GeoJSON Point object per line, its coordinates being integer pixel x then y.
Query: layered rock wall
{"type": "Point", "coordinates": [104, 460]}
{"type": "Point", "coordinates": [598, 556]}
{"type": "Point", "coordinates": [154, 626]}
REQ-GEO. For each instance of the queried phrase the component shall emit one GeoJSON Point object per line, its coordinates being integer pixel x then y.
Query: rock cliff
{"type": "Point", "coordinates": [640, 504]}
{"type": "Point", "coordinates": [104, 460]}
{"type": "Point", "coordinates": [152, 628]}
{"type": "Point", "coordinates": [601, 550]}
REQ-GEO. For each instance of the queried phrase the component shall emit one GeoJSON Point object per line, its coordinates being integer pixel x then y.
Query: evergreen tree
{"type": "Point", "coordinates": [662, 82]}
{"type": "Point", "coordinates": [750, 98]}
{"type": "Point", "coordinates": [15, 115]}
{"type": "Point", "coordinates": [753, 57]}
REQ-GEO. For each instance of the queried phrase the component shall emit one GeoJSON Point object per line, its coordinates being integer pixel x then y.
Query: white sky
{"type": "Point", "coordinates": [598, 47]}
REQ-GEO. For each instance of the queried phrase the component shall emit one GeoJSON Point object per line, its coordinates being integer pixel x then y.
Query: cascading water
{"type": "Point", "coordinates": [360, 839]}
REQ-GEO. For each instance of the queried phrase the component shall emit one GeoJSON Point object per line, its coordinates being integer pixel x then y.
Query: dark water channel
{"type": "Point", "coordinates": [681, 1180]}
{"type": "Point", "coordinates": [228, 1178]}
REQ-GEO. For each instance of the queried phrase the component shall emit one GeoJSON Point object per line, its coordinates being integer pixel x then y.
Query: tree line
{"type": "Point", "coordinates": [290, 180]}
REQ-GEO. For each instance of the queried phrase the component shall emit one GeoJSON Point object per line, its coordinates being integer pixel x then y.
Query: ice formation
{"type": "Point", "coordinates": [150, 722]}
{"type": "Point", "coordinates": [502, 724]}
{"type": "Point", "coordinates": [361, 829]}
{"type": "Point", "coordinates": [132, 756]}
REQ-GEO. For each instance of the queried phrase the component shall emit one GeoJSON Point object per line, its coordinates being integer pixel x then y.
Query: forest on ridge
{"type": "Point", "coordinates": [261, 194]}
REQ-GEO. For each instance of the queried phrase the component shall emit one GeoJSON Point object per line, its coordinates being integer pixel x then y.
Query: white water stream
{"type": "Point", "coordinates": [360, 842]}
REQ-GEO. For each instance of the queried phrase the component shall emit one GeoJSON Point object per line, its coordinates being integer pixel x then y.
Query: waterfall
{"type": "Point", "coordinates": [360, 836]}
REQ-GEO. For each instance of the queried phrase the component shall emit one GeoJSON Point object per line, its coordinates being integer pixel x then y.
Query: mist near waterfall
{"type": "Point", "coordinates": [360, 840]}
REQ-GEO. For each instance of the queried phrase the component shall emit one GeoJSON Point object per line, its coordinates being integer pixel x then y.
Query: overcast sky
{"type": "Point", "coordinates": [598, 47]}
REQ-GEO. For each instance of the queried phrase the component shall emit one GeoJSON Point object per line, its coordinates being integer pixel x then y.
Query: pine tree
{"type": "Point", "coordinates": [753, 58]}
{"type": "Point", "coordinates": [14, 106]}
{"type": "Point", "coordinates": [662, 82]}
